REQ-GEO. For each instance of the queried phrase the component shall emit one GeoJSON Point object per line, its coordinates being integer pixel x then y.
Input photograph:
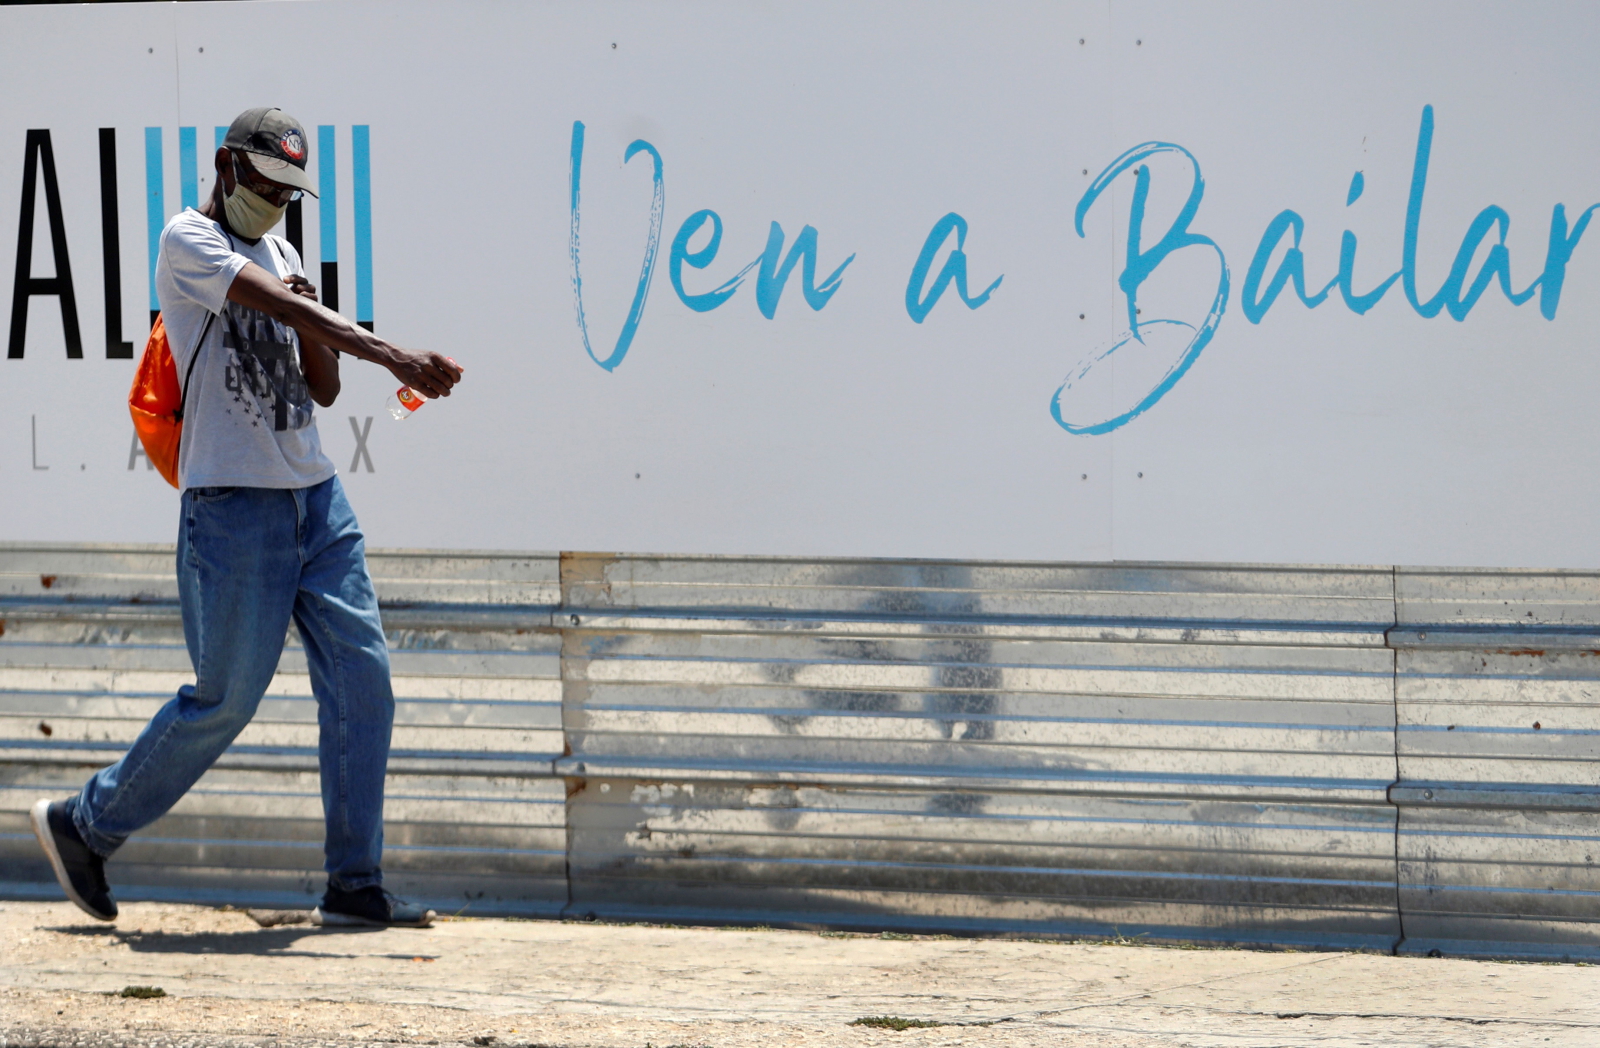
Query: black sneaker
{"type": "Point", "coordinates": [369, 907]}
{"type": "Point", "coordinates": [81, 872]}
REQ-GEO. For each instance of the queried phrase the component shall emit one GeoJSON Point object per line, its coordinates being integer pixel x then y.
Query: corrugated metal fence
{"type": "Point", "coordinates": [1295, 756]}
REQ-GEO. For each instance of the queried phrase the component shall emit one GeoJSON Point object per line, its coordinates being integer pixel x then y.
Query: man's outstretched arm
{"type": "Point", "coordinates": [426, 372]}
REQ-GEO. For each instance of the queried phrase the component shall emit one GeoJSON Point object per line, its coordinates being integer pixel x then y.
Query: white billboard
{"type": "Point", "coordinates": [1025, 280]}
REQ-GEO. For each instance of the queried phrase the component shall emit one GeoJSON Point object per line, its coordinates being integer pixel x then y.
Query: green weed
{"type": "Point", "coordinates": [895, 1022]}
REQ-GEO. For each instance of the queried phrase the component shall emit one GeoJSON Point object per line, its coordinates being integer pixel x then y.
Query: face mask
{"type": "Point", "coordinates": [249, 214]}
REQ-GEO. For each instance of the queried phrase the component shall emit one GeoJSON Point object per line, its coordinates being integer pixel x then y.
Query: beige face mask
{"type": "Point", "coordinates": [249, 213]}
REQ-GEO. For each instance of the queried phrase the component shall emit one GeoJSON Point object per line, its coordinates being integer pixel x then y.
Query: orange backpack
{"type": "Point", "coordinates": [156, 400]}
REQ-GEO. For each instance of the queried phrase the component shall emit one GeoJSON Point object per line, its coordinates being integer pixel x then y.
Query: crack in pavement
{"type": "Point", "coordinates": [1197, 984]}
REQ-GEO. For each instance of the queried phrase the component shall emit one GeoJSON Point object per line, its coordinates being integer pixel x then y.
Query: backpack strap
{"type": "Point", "coordinates": [183, 394]}
{"type": "Point", "coordinates": [183, 397]}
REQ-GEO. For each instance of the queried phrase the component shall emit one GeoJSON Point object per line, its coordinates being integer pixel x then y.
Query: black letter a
{"type": "Point", "coordinates": [26, 284]}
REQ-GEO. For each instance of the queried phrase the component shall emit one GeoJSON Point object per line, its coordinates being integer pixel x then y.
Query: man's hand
{"type": "Point", "coordinates": [431, 374]}
{"type": "Point", "coordinates": [301, 286]}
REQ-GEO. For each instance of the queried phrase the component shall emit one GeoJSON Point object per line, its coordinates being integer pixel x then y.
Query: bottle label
{"type": "Point", "coordinates": [409, 398]}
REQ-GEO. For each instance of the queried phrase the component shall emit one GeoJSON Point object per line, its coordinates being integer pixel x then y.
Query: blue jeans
{"type": "Point", "coordinates": [249, 561]}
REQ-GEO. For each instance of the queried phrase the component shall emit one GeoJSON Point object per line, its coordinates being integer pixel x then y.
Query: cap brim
{"type": "Point", "coordinates": [282, 172]}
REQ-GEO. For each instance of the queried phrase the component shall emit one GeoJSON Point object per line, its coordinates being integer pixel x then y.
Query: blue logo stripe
{"type": "Point", "coordinates": [188, 168]}
{"type": "Point", "coordinates": [155, 202]}
{"type": "Point", "coordinates": [361, 191]}
{"type": "Point", "coordinates": [327, 195]}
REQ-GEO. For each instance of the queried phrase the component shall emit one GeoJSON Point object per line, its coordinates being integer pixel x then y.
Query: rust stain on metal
{"type": "Point", "coordinates": [587, 573]}
{"type": "Point", "coordinates": [1537, 726]}
{"type": "Point", "coordinates": [1533, 652]}
{"type": "Point", "coordinates": [47, 581]}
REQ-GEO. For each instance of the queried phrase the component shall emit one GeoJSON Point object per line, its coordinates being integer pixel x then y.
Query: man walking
{"type": "Point", "coordinates": [265, 535]}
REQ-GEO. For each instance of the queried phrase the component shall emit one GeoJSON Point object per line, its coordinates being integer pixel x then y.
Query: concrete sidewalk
{"type": "Point", "coordinates": [229, 982]}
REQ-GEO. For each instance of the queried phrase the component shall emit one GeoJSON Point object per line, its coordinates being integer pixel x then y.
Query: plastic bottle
{"type": "Point", "coordinates": [406, 400]}
{"type": "Point", "coordinates": [403, 402]}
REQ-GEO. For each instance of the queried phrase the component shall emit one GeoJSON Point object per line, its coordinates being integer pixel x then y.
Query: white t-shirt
{"type": "Point", "coordinates": [248, 420]}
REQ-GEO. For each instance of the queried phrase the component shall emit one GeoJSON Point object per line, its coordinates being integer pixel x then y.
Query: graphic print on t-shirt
{"type": "Point", "coordinates": [264, 369]}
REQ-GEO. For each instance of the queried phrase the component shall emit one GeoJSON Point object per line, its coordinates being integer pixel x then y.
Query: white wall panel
{"type": "Point", "coordinates": [1311, 436]}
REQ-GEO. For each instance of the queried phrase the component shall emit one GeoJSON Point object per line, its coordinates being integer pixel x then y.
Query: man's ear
{"type": "Point", "coordinates": [224, 162]}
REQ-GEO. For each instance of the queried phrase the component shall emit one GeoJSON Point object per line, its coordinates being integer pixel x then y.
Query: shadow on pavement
{"type": "Point", "coordinates": [261, 941]}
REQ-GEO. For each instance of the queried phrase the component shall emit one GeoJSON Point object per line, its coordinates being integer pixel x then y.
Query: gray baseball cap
{"type": "Point", "coordinates": [277, 145]}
